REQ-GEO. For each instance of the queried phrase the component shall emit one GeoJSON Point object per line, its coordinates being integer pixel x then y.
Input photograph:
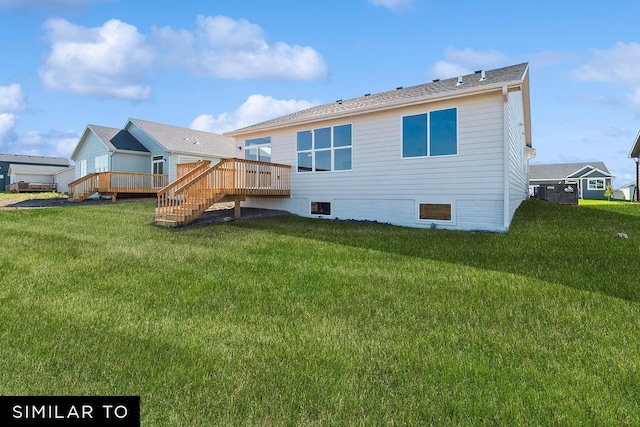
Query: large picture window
{"type": "Point", "coordinates": [324, 149]}
{"type": "Point", "coordinates": [258, 149]}
{"type": "Point", "coordinates": [430, 134]}
{"type": "Point", "coordinates": [595, 184]}
{"type": "Point", "coordinates": [102, 163]}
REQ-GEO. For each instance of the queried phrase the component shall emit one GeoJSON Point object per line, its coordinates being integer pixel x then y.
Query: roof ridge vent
{"type": "Point", "coordinates": [460, 82]}
{"type": "Point", "coordinates": [483, 76]}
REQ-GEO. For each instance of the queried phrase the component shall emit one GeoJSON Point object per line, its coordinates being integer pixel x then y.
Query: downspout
{"type": "Point", "coordinates": [637, 190]}
{"type": "Point", "coordinates": [505, 108]}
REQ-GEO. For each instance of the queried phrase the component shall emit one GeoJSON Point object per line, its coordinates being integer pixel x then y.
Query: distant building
{"type": "Point", "coordinates": [590, 178]}
{"type": "Point", "coordinates": [6, 160]}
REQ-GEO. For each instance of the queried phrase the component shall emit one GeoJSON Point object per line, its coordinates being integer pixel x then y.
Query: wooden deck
{"type": "Point", "coordinates": [114, 183]}
{"type": "Point", "coordinates": [231, 179]}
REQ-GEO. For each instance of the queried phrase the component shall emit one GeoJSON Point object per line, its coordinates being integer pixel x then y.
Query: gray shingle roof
{"type": "Point", "coordinates": [35, 169]}
{"type": "Point", "coordinates": [399, 96]}
{"type": "Point", "coordinates": [41, 160]}
{"type": "Point", "coordinates": [562, 170]}
{"type": "Point", "coordinates": [186, 140]}
{"type": "Point", "coordinates": [117, 139]}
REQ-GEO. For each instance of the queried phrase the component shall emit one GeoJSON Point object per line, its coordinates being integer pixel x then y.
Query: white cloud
{"type": "Point", "coordinates": [35, 143]}
{"type": "Point", "coordinates": [618, 66]}
{"type": "Point", "coordinates": [12, 98]}
{"type": "Point", "coordinates": [12, 101]}
{"type": "Point", "coordinates": [7, 125]}
{"type": "Point", "coordinates": [107, 61]}
{"type": "Point", "coordinates": [235, 49]}
{"type": "Point", "coordinates": [465, 61]}
{"type": "Point", "coordinates": [115, 60]}
{"type": "Point", "coordinates": [255, 109]}
{"type": "Point", "coordinates": [394, 5]}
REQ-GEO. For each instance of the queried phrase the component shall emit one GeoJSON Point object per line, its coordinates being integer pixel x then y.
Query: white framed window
{"type": "Point", "coordinates": [430, 134]}
{"type": "Point", "coordinates": [83, 167]}
{"type": "Point", "coordinates": [594, 184]}
{"type": "Point", "coordinates": [158, 165]}
{"type": "Point", "coordinates": [258, 149]}
{"type": "Point", "coordinates": [102, 163]}
{"type": "Point", "coordinates": [324, 149]}
{"type": "Point", "coordinates": [436, 211]}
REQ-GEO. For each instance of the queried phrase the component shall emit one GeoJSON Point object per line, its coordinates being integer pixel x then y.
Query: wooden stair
{"type": "Point", "coordinates": [83, 187]}
{"type": "Point", "coordinates": [185, 199]}
{"type": "Point", "coordinates": [188, 197]}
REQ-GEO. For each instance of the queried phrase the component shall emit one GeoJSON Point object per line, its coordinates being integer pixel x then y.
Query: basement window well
{"type": "Point", "coordinates": [320, 208]}
{"type": "Point", "coordinates": [435, 211]}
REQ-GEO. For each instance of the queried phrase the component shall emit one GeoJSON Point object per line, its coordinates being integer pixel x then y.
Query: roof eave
{"type": "Point", "coordinates": [389, 106]}
{"type": "Point", "coordinates": [635, 150]}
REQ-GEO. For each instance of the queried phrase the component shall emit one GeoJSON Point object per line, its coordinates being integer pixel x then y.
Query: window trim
{"type": "Point", "coordinates": [320, 208]}
{"type": "Point", "coordinates": [451, 203]}
{"type": "Point", "coordinates": [101, 163]}
{"type": "Point", "coordinates": [248, 146]}
{"type": "Point", "coordinates": [595, 187]}
{"type": "Point", "coordinates": [331, 149]}
{"type": "Point", "coordinates": [428, 142]}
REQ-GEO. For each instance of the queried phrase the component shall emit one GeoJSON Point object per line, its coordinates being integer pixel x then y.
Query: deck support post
{"type": "Point", "coordinates": [236, 208]}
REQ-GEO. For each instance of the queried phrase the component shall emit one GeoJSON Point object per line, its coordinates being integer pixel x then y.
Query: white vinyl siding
{"type": "Point", "coordinates": [385, 187]}
{"type": "Point", "coordinates": [131, 162]}
{"type": "Point", "coordinates": [518, 179]}
{"type": "Point", "coordinates": [92, 148]}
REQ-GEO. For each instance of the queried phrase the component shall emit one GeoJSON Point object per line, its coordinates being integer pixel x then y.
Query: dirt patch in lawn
{"type": "Point", "coordinates": [218, 213]}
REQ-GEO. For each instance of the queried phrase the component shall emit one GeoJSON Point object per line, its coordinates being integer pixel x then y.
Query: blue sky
{"type": "Point", "coordinates": [220, 65]}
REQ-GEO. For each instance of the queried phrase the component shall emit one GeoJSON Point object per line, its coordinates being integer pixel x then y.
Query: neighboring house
{"type": "Point", "coordinates": [629, 191]}
{"type": "Point", "coordinates": [146, 147]}
{"type": "Point", "coordinates": [32, 178]}
{"type": "Point", "coordinates": [635, 155]}
{"type": "Point", "coordinates": [63, 177]}
{"type": "Point", "coordinates": [450, 154]}
{"type": "Point", "coordinates": [7, 160]}
{"type": "Point", "coordinates": [590, 178]}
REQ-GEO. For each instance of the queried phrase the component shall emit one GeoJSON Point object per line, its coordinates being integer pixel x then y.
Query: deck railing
{"type": "Point", "coordinates": [112, 183]}
{"type": "Point", "coordinates": [183, 169]}
{"type": "Point", "coordinates": [130, 182]}
{"type": "Point", "coordinates": [229, 177]}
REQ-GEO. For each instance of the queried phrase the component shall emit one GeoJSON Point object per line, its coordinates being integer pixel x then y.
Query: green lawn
{"type": "Point", "coordinates": [293, 321]}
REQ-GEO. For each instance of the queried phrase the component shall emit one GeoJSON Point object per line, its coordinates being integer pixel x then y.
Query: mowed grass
{"type": "Point", "coordinates": [293, 321]}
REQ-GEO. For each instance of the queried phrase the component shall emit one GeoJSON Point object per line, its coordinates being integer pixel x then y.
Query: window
{"type": "Point", "coordinates": [158, 165]}
{"type": "Point", "coordinates": [83, 167]}
{"type": "Point", "coordinates": [258, 149]}
{"type": "Point", "coordinates": [435, 211]}
{"type": "Point", "coordinates": [102, 163]}
{"type": "Point", "coordinates": [320, 208]}
{"type": "Point", "coordinates": [595, 184]}
{"type": "Point", "coordinates": [430, 134]}
{"type": "Point", "coordinates": [324, 149]}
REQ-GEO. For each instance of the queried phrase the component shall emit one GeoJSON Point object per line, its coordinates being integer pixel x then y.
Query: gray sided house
{"type": "Point", "coordinates": [449, 154]}
{"type": "Point", "coordinates": [146, 147]}
{"type": "Point", "coordinates": [591, 179]}
{"type": "Point", "coordinates": [40, 162]}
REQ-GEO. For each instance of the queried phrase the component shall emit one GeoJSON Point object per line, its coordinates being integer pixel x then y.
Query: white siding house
{"type": "Point", "coordinates": [448, 154]}
{"type": "Point", "coordinates": [146, 147]}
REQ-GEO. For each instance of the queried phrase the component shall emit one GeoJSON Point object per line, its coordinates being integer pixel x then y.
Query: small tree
{"type": "Point", "coordinates": [608, 192]}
